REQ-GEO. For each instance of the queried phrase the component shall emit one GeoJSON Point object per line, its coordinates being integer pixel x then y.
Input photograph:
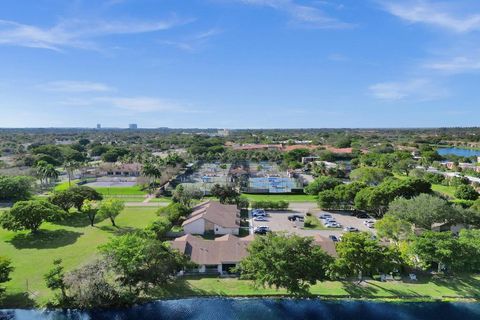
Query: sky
{"type": "Point", "coordinates": [240, 63]}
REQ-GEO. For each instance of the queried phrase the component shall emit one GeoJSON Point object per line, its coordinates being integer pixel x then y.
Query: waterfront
{"type": "Point", "coordinates": [259, 309]}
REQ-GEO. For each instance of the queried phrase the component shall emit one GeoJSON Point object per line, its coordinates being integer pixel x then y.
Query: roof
{"type": "Point", "coordinates": [299, 146]}
{"type": "Point", "coordinates": [257, 146]}
{"type": "Point", "coordinates": [225, 249]}
{"type": "Point", "coordinates": [224, 215]}
{"type": "Point", "coordinates": [340, 150]}
{"type": "Point", "coordinates": [326, 243]}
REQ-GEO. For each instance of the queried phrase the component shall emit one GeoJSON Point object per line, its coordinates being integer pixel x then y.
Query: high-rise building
{"type": "Point", "coordinates": [132, 126]}
{"type": "Point", "coordinates": [99, 126]}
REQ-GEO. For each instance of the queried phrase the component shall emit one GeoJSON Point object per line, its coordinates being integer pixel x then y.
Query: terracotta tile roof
{"type": "Point", "coordinates": [300, 146]}
{"type": "Point", "coordinates": [340, 150]}
{"type": "Point", "coordinates": [226, 249]}
{"type": "Point", "coordinates": [224, 215]}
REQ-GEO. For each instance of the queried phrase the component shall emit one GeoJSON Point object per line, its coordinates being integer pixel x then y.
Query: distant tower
{"type": "Point", "coordinates": [99, 126]}
{"type": "Point", "coordinates": [132, 126]}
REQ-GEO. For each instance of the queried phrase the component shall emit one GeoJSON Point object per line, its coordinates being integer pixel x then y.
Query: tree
{"type": "Point", "coordinates": [110, 208]}
{"type": "Point", "coordinates": [359, 255]}
{"type": "Point", "coordinates": [466, 192]}
{"type": "Point", "coordinates": [15, 188]}
{"type": "Point", "coordinates": [175, 212]}
{"type": "Point", "coordinates": [93, 285]}
{"type": "Point", "coordinates": [322, 183]}
{"type": "Point", "coordinates": [160, 227]}
{"type": "Point", "coordinates": [29, 215]}
{"type": "Point", "coordinates": [70, 167]}
{"type": "Point", "coordinates": [89, 208]}
{"type": "Point", "coordinates": [423, 210]}
{"type": "Point", "coordinates": [5, 269]}
{"type": "Point", "coordinates": [80, 194]}
{"type": "Point", "coordinates": [54, 278]}
{"type": "Point", "coordinates": [285, 261]}
{"type": "Point", "coordinates": [370, 175]}
{"type": "Point", "coordinates": [404, 166]}
{"type": "Point", "coordinates": [141, 261]}
{"type": "Point", "coordinates": [185, 196]}
{"type": "Point", "coordinates": [393, 228]}
{"type": "Point", "coordinates": [225, 194]}
{"type": "Point", "coordinates": [439, 248]}
{"type": "Point", "coordinates": [63, 199]}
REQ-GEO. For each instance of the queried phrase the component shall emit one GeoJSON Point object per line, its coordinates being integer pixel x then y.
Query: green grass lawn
{"type": "Point", "coordinates": [72, 240]}
{"type": "Point", "coordinates": [466, 286]}
{"type": "Point", "coordinates": [128, 198]}
{"type": "Point", "coordinates": [133, 190]}
{"type": "Point", "coordinates": [278, 197]}
{"type": "Point", "coordinates": [449, 191]}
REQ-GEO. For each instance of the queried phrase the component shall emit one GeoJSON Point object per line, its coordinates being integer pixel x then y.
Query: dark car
{"type": "Point", "coordinates": [362, 215]}
{"type": "Point", "coordinates": [295, 217]}
{"type": "Point", "coordinates": [333, 238]}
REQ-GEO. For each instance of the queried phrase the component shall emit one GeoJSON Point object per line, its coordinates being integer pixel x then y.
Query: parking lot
{"type": "Point", "coordinates": [278, 221]}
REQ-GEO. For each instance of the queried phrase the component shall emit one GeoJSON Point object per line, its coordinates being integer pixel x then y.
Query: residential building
{"type": "Point", "coordinates": [213, 217]}
{"type": "Point", "coordinates": [219, 256]}
{"type": "Point", "coordinates": [133, 126]}
{"type": "Point", "coordinates": [213, 256]}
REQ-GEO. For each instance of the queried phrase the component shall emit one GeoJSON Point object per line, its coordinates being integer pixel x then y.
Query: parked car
{"type": "Point", "coordinates": [260, 231]}
{"type": "Point", "coordinates": [362, 215]}
{"type": "Point", "coordinates": [333, 238]}
{"type": "Point", "coordinates": [333, 225]}
{"type": "Point", "coordinates": [325, 216]}
{"type": "Point", "coordinates": [260, 218]}
{"type": "Point", "coordinates": [259, 213]}
{"type": "Point", "coordinates": [350, 229]}
{"type": "Point", "coordinates": [368, 222]}
{"type": "Point", "coordinates": [295, 217]}
{"type": "Point", "coordinates": [262, 228]}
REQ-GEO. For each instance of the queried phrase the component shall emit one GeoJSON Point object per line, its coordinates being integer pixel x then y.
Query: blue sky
{"type": "Point", "coordinates": [239, 63]}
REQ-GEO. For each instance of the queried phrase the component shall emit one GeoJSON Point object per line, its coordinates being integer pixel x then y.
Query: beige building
{"type": "Point", "coordinates": [219, 256]}
{"type": "Point", "coordinates": [213, 217]}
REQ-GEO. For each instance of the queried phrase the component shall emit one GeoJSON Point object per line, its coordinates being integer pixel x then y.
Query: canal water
{"type": "Point", "coordinates": [260, 309]}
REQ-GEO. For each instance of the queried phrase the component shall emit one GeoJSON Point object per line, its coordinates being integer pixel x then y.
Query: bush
{"type": "Point", "coordinates": [270, 205]}
{"type": "Point", "coordinates": [466, 192]}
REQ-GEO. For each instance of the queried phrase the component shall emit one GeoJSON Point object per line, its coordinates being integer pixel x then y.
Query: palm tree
{"type": "Point", "coordinates": [51, 173]}
{"type": "Point", "coordinates": [70, 166]}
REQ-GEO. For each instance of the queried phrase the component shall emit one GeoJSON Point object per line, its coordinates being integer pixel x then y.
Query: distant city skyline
{"type": "Point", "coordinates": [240, 63]}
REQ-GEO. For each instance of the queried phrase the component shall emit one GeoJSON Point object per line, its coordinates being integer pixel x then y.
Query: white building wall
{"type": "Point", "coordinates": [195, 227]}
{"type": "Point", "coordinates": [222, 230]}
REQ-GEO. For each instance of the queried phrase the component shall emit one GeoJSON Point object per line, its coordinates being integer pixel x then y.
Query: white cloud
{"type": "Point", "coordinates": [458, 64]}
{"type": "Point", "coordinates": [75, 86]}
{"type": "Point", "coordinates": [194, 42]}
{"type": "Point", "coordinates": [75, 33]}
{"type": "Point", "coordinates": [437, 14]}
{"type": "Point", "coordinates": [302, 14]}
{"type": "Point", "coordinates": [415, 89]}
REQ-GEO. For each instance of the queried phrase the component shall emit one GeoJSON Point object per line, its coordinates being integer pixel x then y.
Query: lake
{"type": "Point", "coordinates": [459, 152]}
{"type": "Point", "coordinates": [260, 309]}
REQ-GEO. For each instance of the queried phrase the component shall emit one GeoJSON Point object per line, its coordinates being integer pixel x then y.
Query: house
{"type": "Point", "coordinates": [213, 256]}
{"type": "Point", "coordinates": [213, 217]}
{"type": "Point", "coordinates": [224, 253]}
{"type": "Point", "coordinates": [120, 169]}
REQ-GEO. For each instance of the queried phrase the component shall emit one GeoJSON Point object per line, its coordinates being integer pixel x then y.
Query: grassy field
{"type": "Point", "coordinates": [433, 288]}
{"type": "Point", "coordinates": [448, 191]}
{"type": "Point", "coordinates": [278, 197]}
{"type": "Point", "coordinates": [73, 240]}
{"type": "Point", "coordinates": [125, 191]}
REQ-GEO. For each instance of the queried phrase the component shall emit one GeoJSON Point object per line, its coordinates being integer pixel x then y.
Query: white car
{"type": "Point", "coordinates": [260, 218]}
{"type": "Point", "coordinates": [367, 222]}
{"type": "Point", "coordinates": [333, 225]}
{"type": "Point", "coordinates": [350, 229]}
